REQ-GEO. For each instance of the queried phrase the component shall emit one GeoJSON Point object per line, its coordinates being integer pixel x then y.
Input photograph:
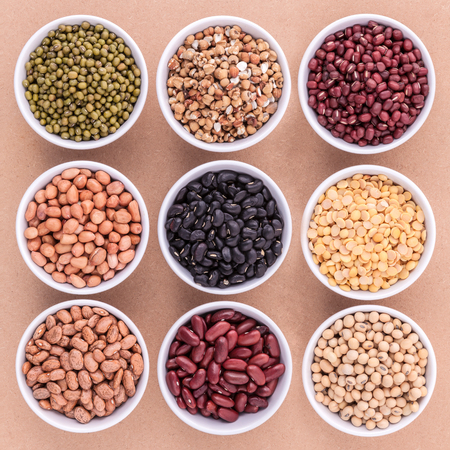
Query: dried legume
{"type": "Point", "coordinates": [80, 363]}
{"type": "Point", "coordinates": [225, 228]}
{"type": "Point", "coordinates": [233, 365]}
{"type": "Point", "coordinates": [82, 82]}
{"type": "Point", "coordinates": [83, 227]}
{"type": "Point", "coordinates": [368, 84]}
{"type": "Point", "coordinates": [224, 84]}
{"type": "Point", "coordinates": [370, 368]}
{"type": "Point", "coordinates": [366, 233]}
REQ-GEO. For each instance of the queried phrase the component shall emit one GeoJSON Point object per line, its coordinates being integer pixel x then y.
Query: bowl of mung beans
{"type": "Point", "coordinates": [369, 370]}
{"type": "Point", "coordinates": [368, 232]}
{"type": "Point", "coordinates": [223, 83]}
{"type": "Point", "coordinates": [366, 83]}
{"type": "Point", "coordinates": [81, 82]}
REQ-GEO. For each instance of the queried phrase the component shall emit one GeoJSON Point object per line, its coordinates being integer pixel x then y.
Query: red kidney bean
{"type": "Point", "coordinates": [240, 402]}
{"type": "Point", "coordinates": [245, 326]}
{"type": "Point", "coordinates": [230, 388]}
{"type": "Point", "coordinates": [213, 372]}
{"type": "Point", "coordinates": [173, 349]}
{"type": "Point", "coordinates": [259, 360]}
{"type": "Point", "coordinates": [219, 389]}
{"type": "Point", "coordinates": [180, 402]}
{"type": "Point", "coordinates": [198, 379]}
{"type": "Point", "coordinates": [258, 347]}
{"type": "Point", "coordinates": [249, 338]}
{"type": "Point", "coordinates": [241, 353]}
{"type": "Point", "coordinates": [235, 364]}
{"type": "Point", "coordinates": [188, 336]}
{"type": "Point", "coordinates": [205, 413]}
{"type": "Point", "coordinates": [271, 343]}
{"type": "Point", "coordinates": [274, 372]}
{"type": "Point", "coordinates": [181, 373]}
{"type": "Point", "coordinates": [209, 354]}
{"type": "Point", "coordinates": [183, 350]}
{"type": "Point", "coordinates": [218, 329]}
{"type": "Point", "coordinates": [229, 415]}
{"type": "Point", "coordinates": [232, 338]}
{"type": "Point", "coordinates": [198, 325]}
{"type": "Point", "coordinates": [200, 391]}
{"type": "Point", "coordinates": [223, 314]}
{"type": "Point", "coordinates": [251, 387]}
{"type": "Point", "coordinates": [198, 353]}
{"type": "Point", "coordinates": [188, 397]}
{"type": "Point", "coordinates": [235, 377]}
{"type": "Point", "coordinates": [211, 406]}
{"type": "Point", "coordinates": [221, 349]}
{"type": "Point", "coordinates": [186, 382]}
{"type": "Point", "coordinates": [171, 364]}
{"type": "Point", "coordinates": [173, 383]}
{"type": "Point", "coordinates": [251, 409]}
{"type": "Point", "coordinates": [192, 411]}
{"type": "Point", "coordinates": [268, 389]}
{"type": "Point", "coordinates": [221, 400]}
{"type": "Point", "coordinates": [270, 363]}
{"type": "Point", "coordinates": [256, 374]}
{"type": "Point", "coordinates": [237, 318]}
{"type": "Point", "coordinates": [186, 364]}
{"type": "Point", "coordinates": [201, 401]}
{"type": "Point", "coordinates": [254, 400]}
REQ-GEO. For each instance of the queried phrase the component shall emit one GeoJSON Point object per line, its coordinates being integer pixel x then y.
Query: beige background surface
{"type": "Point", "coordinates": [154, 157]}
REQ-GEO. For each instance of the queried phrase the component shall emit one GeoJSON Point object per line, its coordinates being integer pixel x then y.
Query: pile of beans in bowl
{"type": "Point", "coordinates": [223, 364]}
{"type": "Point", "coordinates": [367, 83]}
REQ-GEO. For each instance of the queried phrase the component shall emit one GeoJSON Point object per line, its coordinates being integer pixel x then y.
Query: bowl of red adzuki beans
{"type": "Point", "coordinates": [366, 84]}
{"type": "Point", "coordinates": [224, 368]}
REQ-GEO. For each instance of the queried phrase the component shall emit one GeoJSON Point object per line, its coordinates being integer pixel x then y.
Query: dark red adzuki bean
{"type": "Point", "coordinates": [224, 364]}
{"type": "Point", "coordinates": [361, 78]}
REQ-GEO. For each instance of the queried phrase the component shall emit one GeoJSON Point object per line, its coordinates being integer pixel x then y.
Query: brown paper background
{"type": "Point", "coordinates": [154, 157]}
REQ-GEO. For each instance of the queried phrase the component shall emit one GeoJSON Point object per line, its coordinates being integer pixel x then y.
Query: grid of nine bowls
{"type": "Point", "coordinates": [252, 420]}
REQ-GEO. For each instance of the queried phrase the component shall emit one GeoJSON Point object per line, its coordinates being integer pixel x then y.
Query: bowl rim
{"type": "Point", "coordinates": [420, 199]}
{"type": "Point", "coordinates": [19, 90]}
{"type": "Point", "coordinates": [38, 184]}
{"type": "Point", "coordinates": [215, 306]}
{"type": "Point", "coordinates": [322, 411]}
{"type": "Point", "coordinates": [48, 416]}
{"type": "Point", "coordinates": [161, 79]}
{"type": "Point", "coordinates": [311, 115]}
{"type": "Point", "coordinates": [196, 173]}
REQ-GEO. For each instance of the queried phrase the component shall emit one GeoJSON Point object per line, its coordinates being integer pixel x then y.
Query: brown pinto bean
{"type": "Point", "coordinates": [222, 400]}
{"type": "Point", "coordinates": [188, 336]}
{"type": "Point", "coordinates": [249, 338]}
{"type": "Point", "coordinates": [235, 364]}
{"type": "Point", "coordinates": [186, 364]}
{"type": "Point", "coordinates": [137, 364]}
{"type": "Point", "coordinates": [236, 378]}
{"type": "Point", "coordinates": [218, 329]}
{"type": "Point", "coordinates": [272, 345]}
{"type": "Point", "coordinates": [221, 349]}
{"type": "Point", "coordinates": [198, 379]}
{"type": "Point", "coordinates": [76, 359]}
{"type": "Point", "coordinates": [128, 341]}
{"type": "Point", "coordinates": [274, 372]}
{"type": "Point", "coordinates": [128, 383]}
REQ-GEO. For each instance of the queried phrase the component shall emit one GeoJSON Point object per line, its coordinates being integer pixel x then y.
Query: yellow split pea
{"type": "Point", "coordinates": [366, 233]}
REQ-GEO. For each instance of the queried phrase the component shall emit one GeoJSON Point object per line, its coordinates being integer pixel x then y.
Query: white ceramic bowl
{"type": "Point", "coordinates": [311, 115]}
{"type": "Point", "coordinates": [163, 72]}
{"type": "Point", "coordinates": [245, 422]}
{"type": "Point", "coordinates": [59, 420]}
{"type": "Point", "coordinates": [195, 174]}
{"type": "Point", "coordinates": [333, 419]}
{"type": "Point", "coordinates": [417, 195]}
{"type": "Point", "coordinates": [21, 226]}
{"type": "Point", "coordinates": [20, 75]}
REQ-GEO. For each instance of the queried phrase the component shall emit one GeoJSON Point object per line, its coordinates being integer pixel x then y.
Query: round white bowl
{"type": "Point", "coordinates": [21, 226]}
{"type": "Point", "coordinates": [333, 419]}
{"type": "Point", "coordinates": [59, 420]}
{"type": "Point", "coordinates": [303, 73]}
{"type": "Point", "coordinates": [20, 75]}
{"type": "Point", "coordinates": [417, 195]}
{"type": "Point", "coordinates": [195, 174]}
{"type": "Point", "coordinates": [163, 72]}
{"type": "Point", "coordinates": [245, 422]}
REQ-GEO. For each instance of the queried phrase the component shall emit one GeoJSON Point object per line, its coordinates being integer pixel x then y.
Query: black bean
{"type": "Point", "coordinates": [268, 232]}
{"type": "Point", "coordinates": [197, 235]}
{"type": "Point", "coordinates": [193, 196]}
{"type": "Point", "coordinates": [268, 244]}
{"type": "Point", "coordinates": [224, 284]}
{"type": "Point", "coordinates": [204, 192]}
{"type": "Point", "coordinates": [233, 190]}
{"type": "Point", "coordinates": [214, 255]}
{"type": "Point", "coordinates": [233, 228]}
{"type": "Point", "coordinates": [175, 225]}
{"type": "Point", "coordinates": [231, 208]}
{"type": "Point", "coordinates": [259, 200]}
{"type": "Point", "coordinates": [250, 271]}
{"type": "Point", "coordinates": [245, 245]}
{"type": "Point", "coordinates": [244, 178]}
{"type": "Point", "coordinates": [278, 227]}
{"type": "Point", "coordinates": [217, 218]}
{"type": "Point", "coordinates": [270, 208]}
{"type": "Point", "coordinates": [223, 189]}
{"type": "Point", "coordinates": [200, 251]}
{"type": "Point", "coordinates": [185, 251]}
{"type": "Point", "coordinates": [184, 234]}
{"type": "Point", "coordinates": [181, 196]}
{"type": "Point", "coordinates": [241, 195]}
{"type": "Point", "coordinates": [178, 243]}
{"type": "Point", "coordinates": [170, 235]}
{"type": "Point", "coordinates": [200, 209]}
{"type": "Point", "coordinates": [207, 262]}
{"type": "Point", "coordinates": [248, 233]}
{"type": "Point", "coordinates": [242, 268]}
{"type": "Point", "coordinates": [206, 226]}
{"type": "Point", "coordinates": [225, 268]}
{"type": "Point", "coordinates": [174, 210]}
{"type": "Point", "coordinates": [260, 254]}
{"type": "Point", "coordinates": [218, 197]}
{"type": "Point", "coordinates": [250, 256]}
{"type": "Point", "coordinates": [277, 248]}
{"type": "Point", "coordinates": [249, 201]}
{"type": "Point", "coordinates": [174, 252]}
{"type": "Point", "coordinates": [252, 224]}
{"type": "Point", "coordinates": [260, 269]}
{"type": "Point", "coordinates": [237, 255]}
{"type": "Point", "coordinates": [213, 206]}
{"type": "Point", "coordinates": [226, 254]}
{"type": "Point", "coordinates": [235, 279]}
{"type": "Point", "coordinates": [248, 213]}
{"type": "Point", "coordinates": [202, 280]}
{"type": "Point", "coordinates": [211, 235]}
{"type": "Point", "coordinates": [207, 179]}
{"type": "Point", "coordinates": [240, 222]}
{"type": "Point", "coordinates": [232, 241]}
{"type": "Point", "coordinates": [207, 199]}
{"type": "Point", "coordinates": [227, 217]}
{"type": "Point", "coordinates": [261, 213]}
{"type": "Point", "coordinates": [259, 243]}
{"type": "Point", "coordinates": [214, 278]}
{"type": "Point", "coordinates": [219, 243]}
{"type": "Point", "coordinates": [270, 257]}
{"type": "Point", "coordinates": [226, 176]}
{"type": "Point", "coordinates": [254, 186]}
{"type": "Point", "coordinates": [195, 186]}
{"type": "Point", "coordinates": [198, 223]}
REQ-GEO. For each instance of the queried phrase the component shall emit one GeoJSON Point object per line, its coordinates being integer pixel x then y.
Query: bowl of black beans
{"type": "Point", "coordinates": [224, 227]}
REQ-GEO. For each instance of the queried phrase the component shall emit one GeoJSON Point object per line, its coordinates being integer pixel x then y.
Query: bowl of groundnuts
{"type": "Point", "coordinates": [369, 370]}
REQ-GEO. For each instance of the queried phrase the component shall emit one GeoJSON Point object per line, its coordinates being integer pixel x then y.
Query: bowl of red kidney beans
{"type": "Point", "coordinates": [224, 368]}
{"type": "Point", "coordinates": [366, 84]}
